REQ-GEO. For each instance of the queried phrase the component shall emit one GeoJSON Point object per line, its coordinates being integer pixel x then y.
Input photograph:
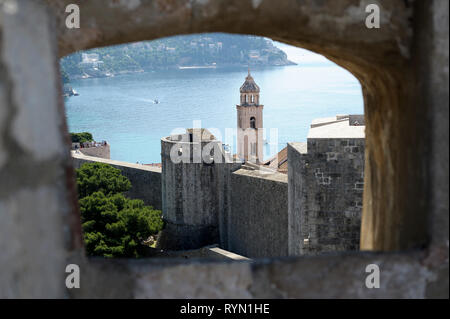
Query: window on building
{"type": "Point", "coordinates": [252, 122]}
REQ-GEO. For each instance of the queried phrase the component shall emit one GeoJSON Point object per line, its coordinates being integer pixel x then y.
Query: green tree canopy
{"type": "Point", "coordinates": [81, 137]}
{"type": "Point", "coordinates": [113, 225]}
{"type": "Point", "coordinates": [100, 177]}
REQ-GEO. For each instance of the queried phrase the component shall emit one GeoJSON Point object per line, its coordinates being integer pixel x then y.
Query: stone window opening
{"type": "Point", "coordinates": [396, 188]}
{"type": "Point", "coordinates": [249, 98]}
{"type": "Point", "coordinates": [353, 60]}
{"type": "Point", "coordinates": [250, 151]}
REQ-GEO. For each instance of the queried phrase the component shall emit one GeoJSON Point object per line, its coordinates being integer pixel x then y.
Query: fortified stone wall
{"type": "Point", "coordinates": [258, 218]}
{"type": "Point", "coordinates": [209, 252]}
{"type": "Point", "coordinates": [325, 195]}
{"type": "Point", "coordinates": [98, 151]}
{"type": "Point", "coordinates": [194, 196]}
{"type": "Point", "coordinates": [145, 180]}
{"type": "Point", "coordinates": [246, 211]}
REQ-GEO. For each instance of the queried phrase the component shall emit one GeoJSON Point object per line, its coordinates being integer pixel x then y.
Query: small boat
{"type": "Point", "coordinates": [156, 101]}
{"type": "Point", "coordinates": [75, 93]}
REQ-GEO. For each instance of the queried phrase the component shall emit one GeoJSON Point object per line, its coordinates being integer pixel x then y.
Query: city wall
{"type": "Point", "coordinates": [97, 151]}
{"type": "Point", "coordinates": [145, 180]}
{"type": "Point", "coordinates": [326, 182]}
{"type": "Point", "coordinates": [205, 203]}
{"type": "Point", "coordinates": [258, 218]}
{"type": "Point", "coordinates": [249, 208]}
{"type": "Point", "coordinates": [193, 192]}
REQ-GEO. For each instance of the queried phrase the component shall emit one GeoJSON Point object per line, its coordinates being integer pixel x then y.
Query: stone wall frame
{"type": "Point", "coordinates": [403, 70]}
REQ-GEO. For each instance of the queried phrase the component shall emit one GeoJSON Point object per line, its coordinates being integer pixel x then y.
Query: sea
{"type": "Point", "coordinates": [122, 110]}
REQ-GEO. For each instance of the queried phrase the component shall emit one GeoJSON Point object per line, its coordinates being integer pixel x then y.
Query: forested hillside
{"type": "Point", "coordinates": [203, 50]}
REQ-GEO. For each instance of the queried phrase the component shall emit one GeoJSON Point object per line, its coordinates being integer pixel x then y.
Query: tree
{"type": "Point", "coordinates": [81, 137]}
{"type": "Point", "coordinates": [113, 225]}
{"type": "Point", "coordinates": [100, 177]}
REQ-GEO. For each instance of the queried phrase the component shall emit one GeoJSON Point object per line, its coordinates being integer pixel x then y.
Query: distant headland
{"type": "Point", "coordinates": [214, 50]}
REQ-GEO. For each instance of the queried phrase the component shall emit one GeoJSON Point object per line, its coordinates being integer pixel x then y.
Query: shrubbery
{"type": "Point", "coordinates": [113, 225]}
{"type": "Point", "coordinates": [99, 177]}
{"type": "Point", "coordinates": [81, 137]}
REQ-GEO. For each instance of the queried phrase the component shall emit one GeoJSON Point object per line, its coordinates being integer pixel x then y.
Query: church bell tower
{"type": "Point", "coordinates": [250, 123]}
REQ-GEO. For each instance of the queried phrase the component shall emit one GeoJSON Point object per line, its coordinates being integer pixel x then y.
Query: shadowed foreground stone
{"type": "Point", "coordinates": [402, 276]}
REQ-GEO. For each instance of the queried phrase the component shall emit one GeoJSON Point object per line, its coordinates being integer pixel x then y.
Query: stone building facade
{"type": "Point", "coordinates": [326, 182]}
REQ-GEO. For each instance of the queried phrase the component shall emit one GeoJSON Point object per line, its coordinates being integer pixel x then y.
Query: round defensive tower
{"type": "Point", "coordinates": [190, 204]}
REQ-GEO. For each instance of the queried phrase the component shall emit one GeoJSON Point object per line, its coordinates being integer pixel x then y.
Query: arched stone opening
{"type": "Point", "coordinates": [380, 59]}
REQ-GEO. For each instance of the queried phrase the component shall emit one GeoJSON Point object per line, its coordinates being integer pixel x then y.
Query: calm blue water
{"type": "Point", "coordinates": [120, 109]}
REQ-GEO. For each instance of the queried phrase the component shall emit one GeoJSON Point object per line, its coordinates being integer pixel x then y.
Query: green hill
{"type": "Point", "coordinates": [202, 50]}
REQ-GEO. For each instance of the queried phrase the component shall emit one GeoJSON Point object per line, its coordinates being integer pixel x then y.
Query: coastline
{"type": "Point", "coordinates": [178, 67]}
{"type": "Point", "coordinates": [197, 67]}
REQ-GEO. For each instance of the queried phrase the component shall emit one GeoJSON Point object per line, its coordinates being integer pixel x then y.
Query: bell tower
{"type": "Point", "coordinates": [250, 123]}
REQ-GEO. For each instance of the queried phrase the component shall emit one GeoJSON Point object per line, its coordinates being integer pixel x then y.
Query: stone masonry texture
{"type": "Point", "coordinates": [325, 188]}
{"type": "Point", "coordinates": [258, 219]}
